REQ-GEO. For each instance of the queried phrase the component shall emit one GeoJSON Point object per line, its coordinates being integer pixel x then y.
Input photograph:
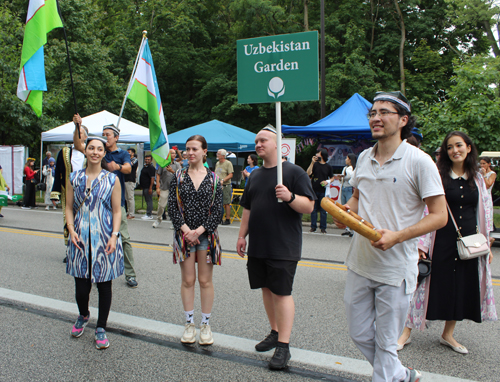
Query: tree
{"type": "Point", "coordinates": [473, 105]}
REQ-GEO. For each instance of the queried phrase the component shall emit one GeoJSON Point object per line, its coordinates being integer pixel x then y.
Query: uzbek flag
{"type": "Point", "coordinates": [145, 93]}
{"type": "Point", "coordinates": [41, 19]}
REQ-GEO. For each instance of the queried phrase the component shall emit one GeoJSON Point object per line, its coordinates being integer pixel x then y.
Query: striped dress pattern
{"type": "Point", "coordinates": [94, 226]}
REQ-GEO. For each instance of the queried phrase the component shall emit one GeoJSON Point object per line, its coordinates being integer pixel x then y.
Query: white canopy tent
{"type": "Point", "coordinates": [129, 131]}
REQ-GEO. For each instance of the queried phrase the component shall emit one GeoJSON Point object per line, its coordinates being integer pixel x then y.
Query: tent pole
{"type": "Point", "coordinates": [131, 78]}
{"type": "Point", "coordinates": [41, 169]}
{"type": "Point", "coordinates": [278, 144]}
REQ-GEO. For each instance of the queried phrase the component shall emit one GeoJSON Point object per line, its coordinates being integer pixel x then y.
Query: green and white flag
{"type": "Point", "coordinates": [41, 19]}
{"type": "Point", "coordinates": [145, 93]}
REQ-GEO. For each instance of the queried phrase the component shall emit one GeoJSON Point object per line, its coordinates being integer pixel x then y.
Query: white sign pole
{"type": "Point", "coordinates": [278, 144]}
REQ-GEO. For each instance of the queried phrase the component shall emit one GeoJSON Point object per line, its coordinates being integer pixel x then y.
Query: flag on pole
{"type": "Point", "coordinates": [41, 19]}
{"type": "Point", "coordinates": [145, 93]}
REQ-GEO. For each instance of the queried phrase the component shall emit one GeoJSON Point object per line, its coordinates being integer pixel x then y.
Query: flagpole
{"type": "Point", "coordinates": [69, 63]}
{"type": "Point", "coordinates": [144, 33]}
{"type": "Point", "coordinates": [278, 143]}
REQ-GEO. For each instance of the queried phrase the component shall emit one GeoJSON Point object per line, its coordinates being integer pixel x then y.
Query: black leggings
{"type": "Point", "coordinates": [82, 292]}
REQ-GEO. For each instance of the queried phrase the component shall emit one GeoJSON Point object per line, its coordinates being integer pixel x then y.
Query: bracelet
{"type": "Point", "coordinates": [241, 237]}
{"type": "Point", "coordinates": [70, 224]}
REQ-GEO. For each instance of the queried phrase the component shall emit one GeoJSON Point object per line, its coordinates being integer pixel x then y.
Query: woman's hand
{"type": "Point", "coordinates": [490, 258]}
{"type": "Point", "coordinates": [421, 255]}
{"type": "Point", "coordinates": [191, 237]}
{"type": "Point", "coordinates": [75, 239]}
{"type": "Point", "coordinates": [111, 246]}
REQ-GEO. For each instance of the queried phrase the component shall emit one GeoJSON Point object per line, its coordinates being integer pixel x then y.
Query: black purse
{"type": "Point", "coordinates": [424, 269]}
{"type": "Point", "coordinates": [41, 186]}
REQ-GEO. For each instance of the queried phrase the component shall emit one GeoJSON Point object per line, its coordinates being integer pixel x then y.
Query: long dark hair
{"type": "Point", "coordinates": [445, 164]}
{"type": "Point", "coordinates": [202, 140]}
{"type": "Point", "coordinates": [353, 158]}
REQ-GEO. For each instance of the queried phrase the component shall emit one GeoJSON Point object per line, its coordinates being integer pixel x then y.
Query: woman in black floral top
{"type": "Point", "coordinates": [195, 208]}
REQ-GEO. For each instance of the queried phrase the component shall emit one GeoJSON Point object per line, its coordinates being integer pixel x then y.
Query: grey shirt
{"type": "Point", "coordinates": [166, 176]}
{"type": "Point", "coordinates": [391, 197]}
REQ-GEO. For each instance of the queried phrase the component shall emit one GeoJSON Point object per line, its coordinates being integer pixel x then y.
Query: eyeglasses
{"type": "Point", "coordinates": [381, 113]}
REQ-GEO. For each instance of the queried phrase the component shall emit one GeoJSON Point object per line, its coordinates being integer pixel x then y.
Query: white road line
{"type": "Point", "coordinates": [307, 357]}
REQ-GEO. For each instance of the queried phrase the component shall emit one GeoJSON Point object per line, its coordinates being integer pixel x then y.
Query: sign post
{"type": "Point", "coordinates": [277, 69]}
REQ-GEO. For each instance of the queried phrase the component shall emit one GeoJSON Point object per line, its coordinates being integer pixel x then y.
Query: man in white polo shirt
{"type": "Point", "coordinates": [393, 182]}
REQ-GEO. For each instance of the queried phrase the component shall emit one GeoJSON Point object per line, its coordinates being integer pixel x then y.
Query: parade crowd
{"type": "Point", "coordinates": [420, 208]}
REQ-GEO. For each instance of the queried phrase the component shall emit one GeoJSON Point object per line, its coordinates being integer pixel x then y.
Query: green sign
{"type": "Point", "coordinates": [278, 68]}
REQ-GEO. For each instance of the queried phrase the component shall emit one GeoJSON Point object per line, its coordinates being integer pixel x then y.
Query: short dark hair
{"type": "Point", "coordinates": [131, 149]}
{"type": "Point", "coordinates": [148, 156]}
{"type": "Point", "coordinates": [324, 154]}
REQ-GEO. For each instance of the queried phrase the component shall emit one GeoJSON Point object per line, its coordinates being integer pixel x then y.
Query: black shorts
{"type": "Point", "coordinates": [276, 275]}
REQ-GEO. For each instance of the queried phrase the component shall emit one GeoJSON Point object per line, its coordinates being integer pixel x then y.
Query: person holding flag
{"type": "Point", "coordinates": [42, 17]}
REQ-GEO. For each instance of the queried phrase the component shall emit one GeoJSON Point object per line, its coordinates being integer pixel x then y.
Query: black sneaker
{"type": "Point", "coordinates": [312, 230]}
{"type": "Point", "coordinates": [131, 282]}
{"type": "Point", "coordinates": [323, 231]}
{"type": "Point", "coordinates": [226, 222]}
{"type": "Point", "coordinates": [280, 358]}
{"type": "Point", "coordinates": [346, 233]}
{"type": "Point", "coordinates": [164, 216]}
{"type": "Point", "coordinates": [65, 260]}
{"type": "Point", "coordinates": [268, 343]}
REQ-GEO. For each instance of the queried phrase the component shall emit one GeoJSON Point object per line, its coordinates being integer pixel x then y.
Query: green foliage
{"type": "Point", "coordinates": [473, 105]}
{"type": "Point", "coordinates": [194, 50]}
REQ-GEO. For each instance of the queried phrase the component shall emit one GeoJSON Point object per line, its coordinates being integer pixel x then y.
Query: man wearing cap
{"type": "Point", "coordinates": [275, 239]}
{"type": "Point", "coordinates": [224, 169]}
{"type": "Point", "coordinates": [69, 159]}
{"type": "Point", "coordinates": [393, 182]}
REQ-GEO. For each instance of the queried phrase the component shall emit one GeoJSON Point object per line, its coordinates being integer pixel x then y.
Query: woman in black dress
{"type": "Point", "coordinates": [454, 287]}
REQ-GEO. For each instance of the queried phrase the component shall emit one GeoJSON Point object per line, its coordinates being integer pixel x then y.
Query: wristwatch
{"type": "Point", "coordinates": [117, 234]}
{"type": "Point", "coordinates": [120, 166]}
{"type": "Point", "coordinates": [292, 198]}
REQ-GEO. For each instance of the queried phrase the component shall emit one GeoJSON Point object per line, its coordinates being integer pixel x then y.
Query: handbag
{"type": "Point", "coordinates": [471, 246]}
{"type": "Point", "coordinates": [41, 186]}
{"type": "Point", "coordinates": [424, 269]}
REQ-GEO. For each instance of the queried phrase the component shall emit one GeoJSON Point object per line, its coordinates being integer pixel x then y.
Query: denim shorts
{"type": "Point", "coordinates": [203, 246]}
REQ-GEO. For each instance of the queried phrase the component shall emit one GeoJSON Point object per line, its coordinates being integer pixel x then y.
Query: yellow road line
{"type": "Point", "coordinates": [154, 247]}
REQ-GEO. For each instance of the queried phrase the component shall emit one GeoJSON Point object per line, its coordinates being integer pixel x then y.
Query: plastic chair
{"type": "Point", "coordinates": [235, 203]}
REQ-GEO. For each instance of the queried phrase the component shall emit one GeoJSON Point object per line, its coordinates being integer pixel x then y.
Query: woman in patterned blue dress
{"type": "Point", "coordinates": [95, 253]}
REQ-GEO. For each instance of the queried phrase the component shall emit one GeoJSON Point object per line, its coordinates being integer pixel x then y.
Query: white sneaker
{"type": "Point", "coordinates": [146, 217]}
{"type": "Point", "coordinates": [54, 207]}
{"type": "Point", "coordinates": [156, 224]}
{"type": "Point", "coordinates": [206, 337]}
{"type": "Point", "coordinates": [189, 336]}
{"type": "Point", "coordinates": [47, 208]}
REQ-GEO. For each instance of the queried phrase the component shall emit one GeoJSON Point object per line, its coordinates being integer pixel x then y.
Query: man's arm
{"type": "Point", "coordinates": [151, 185]}
{"type": "Point", "coordinates": [241, 244]}
{"type": "Point", "coordinates": [227, 178]}
{"type": "Point", "coordinates": [310, 168]}
{"type": "Point", "coordinates": [437, 218]}
{"type": "Point", "coordinates": [301, 204]}
{"type": "Point", "coordinates": [76, 134]}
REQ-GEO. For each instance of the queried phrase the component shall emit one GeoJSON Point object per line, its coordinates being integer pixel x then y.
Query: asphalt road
{"type": "Point", "coordinates": [38, 346]}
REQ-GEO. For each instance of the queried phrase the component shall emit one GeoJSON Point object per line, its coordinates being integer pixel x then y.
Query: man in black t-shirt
{"type": "Point", "coordinates": [275, 245]}
{"type": "Point", "coordinates": [146, 181]}
{"type": "Point", "coordinates": [320, 172]}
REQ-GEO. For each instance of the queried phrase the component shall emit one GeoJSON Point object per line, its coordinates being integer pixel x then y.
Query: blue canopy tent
{"type": "Point", "coordinates": [219, 135]}
{"type": "Point", "coordinates": [348, 122]}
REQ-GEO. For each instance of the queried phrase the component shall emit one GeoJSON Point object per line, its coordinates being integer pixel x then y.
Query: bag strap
{"type": "Point", "coordinates": [455, 223]}
{"type": "Point", "coordinates": [88, 193]}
